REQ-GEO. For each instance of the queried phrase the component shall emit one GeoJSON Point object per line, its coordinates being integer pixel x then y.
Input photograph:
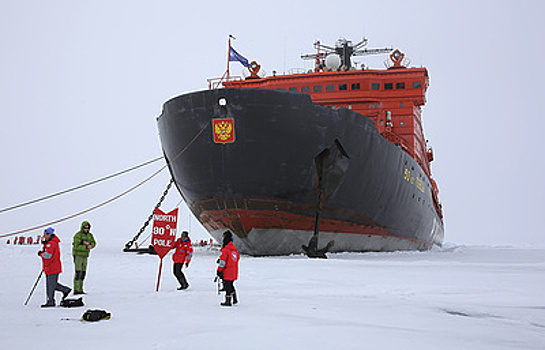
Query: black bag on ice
{"type": "Point", "coordinates": [72, 302]}
{"type": "Point", "coordinates": [95, 315]}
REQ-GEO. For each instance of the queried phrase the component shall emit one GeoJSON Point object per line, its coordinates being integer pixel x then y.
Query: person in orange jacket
{"type": "Point", "coordinates": [228, 268]}
{"type": "Point", "coordinates": [51, 260]}
{"type": "Point", "coordinates": [183, 252]}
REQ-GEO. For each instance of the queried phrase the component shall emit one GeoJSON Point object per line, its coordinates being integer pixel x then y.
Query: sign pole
{"type": "Point", "coordinates": [159, 275]}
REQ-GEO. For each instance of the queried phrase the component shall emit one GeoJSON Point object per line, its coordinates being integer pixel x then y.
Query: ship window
{"type": "Point", "coordinates": [388, 86]}
{"type": "Point", "coordinates": [293, 89]}
{"type": "Point", "coordinates": [330, 88]}
{"type": "Point", "coordinates": [401, 104]}
{"type": "Point", "coordinates": [401, 123]}
{"type": "Point", "coordinates": [378, 105]}
{"type": "Point", "coordinates": [373, 105]}
{"type": "Point", "coordinates": [317, 88]}
{"type": "Point", "coordinates": [305, 89]}
{"type": "Point", "coordinates": [343, 87]}
{"type": "Point", "coordinates": [417, 84]}
{"type": "Point", "coordinates": [375, 86]}
{"type": "Point", "coordinates": [400, 85]}
{"type": "Point", "coordinates": [355, 86]}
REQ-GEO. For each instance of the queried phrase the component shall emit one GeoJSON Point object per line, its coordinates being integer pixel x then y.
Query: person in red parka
{"type": "Point", "coordinates": [183, 252]}
{"type": "Point", "coordinates": [228, 268]}
{"type": "Point", "coordinates": [51, 259]}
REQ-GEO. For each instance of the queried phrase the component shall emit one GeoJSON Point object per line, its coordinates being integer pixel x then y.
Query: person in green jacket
{"type": "Point", "coordinates": [82, 244]}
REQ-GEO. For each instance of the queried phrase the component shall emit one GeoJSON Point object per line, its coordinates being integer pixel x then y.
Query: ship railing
{"type": "Point", "coordinates": [405, 62]}
{"type": "Point", "coordinates": [293, 71]}
{"type": "Point", "coordinates": [216, 83]}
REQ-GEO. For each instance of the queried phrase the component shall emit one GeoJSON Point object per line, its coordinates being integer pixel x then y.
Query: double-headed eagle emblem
{"type": "Point", "coordinates": [223, 130]}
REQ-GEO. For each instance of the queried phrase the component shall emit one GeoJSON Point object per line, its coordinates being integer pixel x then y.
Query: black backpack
{"type": "Point", "coordinates": [72, 302]}
{"type": "Point", "coordinates": [95, 315]}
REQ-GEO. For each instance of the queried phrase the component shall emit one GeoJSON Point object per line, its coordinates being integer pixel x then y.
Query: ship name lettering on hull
{"type": "Point", "coordinates": [414, 180]}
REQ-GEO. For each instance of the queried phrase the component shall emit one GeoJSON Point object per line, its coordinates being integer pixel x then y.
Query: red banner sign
{"type": "Point", "coordinates": [163, 235]}
{"type": "Point", "coordinates": [223, 130]}
{"type": "Point", "coordinates": [164, 231]}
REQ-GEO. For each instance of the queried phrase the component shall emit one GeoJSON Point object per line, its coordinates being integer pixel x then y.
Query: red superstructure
{"type": "Point", "coordinates": [391, 97]}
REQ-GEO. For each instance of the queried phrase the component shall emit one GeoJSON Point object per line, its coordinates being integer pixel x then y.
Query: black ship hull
{"type": "Point", "coordinates": [290, 160]}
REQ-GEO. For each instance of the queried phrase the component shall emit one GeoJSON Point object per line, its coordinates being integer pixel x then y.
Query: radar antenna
{"type": "Point", "coordinates": [344, 49]}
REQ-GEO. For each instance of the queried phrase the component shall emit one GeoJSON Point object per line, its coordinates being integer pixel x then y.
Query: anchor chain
{"type": "Point", "coordinates": [129, 244]}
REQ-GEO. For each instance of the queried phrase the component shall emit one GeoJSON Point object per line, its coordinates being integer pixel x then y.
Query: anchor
{"type": "Point", "coordinates": [330, 166]}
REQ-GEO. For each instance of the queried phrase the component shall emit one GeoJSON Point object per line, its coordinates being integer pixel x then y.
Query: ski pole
{"type": "Point", "coordinates": [218, 284]}
{"type": "Point", "coordinates": [35, 284]}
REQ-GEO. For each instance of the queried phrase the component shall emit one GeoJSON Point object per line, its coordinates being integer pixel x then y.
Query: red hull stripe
{"type": "Point", "coordinates": [280, 220]}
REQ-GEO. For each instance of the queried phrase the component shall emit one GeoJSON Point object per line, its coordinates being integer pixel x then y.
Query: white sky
{"type": "Point", "coordinates": [81, 84]}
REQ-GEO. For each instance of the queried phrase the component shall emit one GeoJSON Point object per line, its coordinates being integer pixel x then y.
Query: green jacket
{"type": "Point", "coordinates": [78, 248]}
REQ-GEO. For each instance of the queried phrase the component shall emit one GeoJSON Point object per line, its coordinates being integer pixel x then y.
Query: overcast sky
{"type": "Point", "coordinates": [82, 82]}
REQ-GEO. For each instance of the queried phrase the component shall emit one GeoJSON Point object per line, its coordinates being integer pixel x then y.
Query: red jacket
{"type": "Point", "coordinates": [183, 251]}
{"type": "Point", "coordinates": [51, 256]}
{"type": "Point", "coordinates": [228, 263]}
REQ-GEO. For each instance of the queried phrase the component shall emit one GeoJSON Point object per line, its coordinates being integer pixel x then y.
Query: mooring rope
{"type": "Point", "coordinates": [80, 186]}
{"type": "Point", "coordinates": [113, 198]}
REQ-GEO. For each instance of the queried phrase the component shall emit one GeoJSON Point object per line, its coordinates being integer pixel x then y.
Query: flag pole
{"type": "Point", "coordinates": [229, 56]}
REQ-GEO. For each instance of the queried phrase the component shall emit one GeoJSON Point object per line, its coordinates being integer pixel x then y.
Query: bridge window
{"type": "Point", "coordinates": [400, 85]}
{"type": "Point", "coordinates": [330, 88]}
{"type": "Point", "coordinates": [355, 86]}
{"type": "Point", "coordinates": [293, 89]}
{"type": "Point", "coordinates": [317, 88]}
{"type": "Point", "coordinates": [343, 87]}
{"type": "Point", "coordinates": [305, 89]}
{"type": "Point", "coordinates": [388, 86]}
{"type": "Point", "coordinates": [375, 86]}
{"type": "Point", "coordinates": [417, 84]}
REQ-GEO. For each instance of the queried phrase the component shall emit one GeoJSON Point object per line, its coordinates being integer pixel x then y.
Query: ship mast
{"type": "Point", "coordinates": [214, 83]}
{"type": "Point", "coordinates": [344, 49]}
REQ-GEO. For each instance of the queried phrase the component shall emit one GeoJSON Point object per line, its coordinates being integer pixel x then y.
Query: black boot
{"type": "Point", "coordinates": [65, 293]}
{"type": "Point", "coordinates": [235, 299]}
{"type": "Point", "coordinates": [184, 286]}
{"type": "Point", "coordinates": [227, 301]}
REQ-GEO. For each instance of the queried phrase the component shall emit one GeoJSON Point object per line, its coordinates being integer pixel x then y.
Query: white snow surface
{"type": "Point", "coordinates": [457, 297]}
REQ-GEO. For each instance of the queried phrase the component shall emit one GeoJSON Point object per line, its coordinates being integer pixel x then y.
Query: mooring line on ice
{"type": "Point", "coordinates": [80, 186]}
{"type": "Point", "coordinates": [86, 210]}
{"type": "Point", "coordinates": [113, 198]}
